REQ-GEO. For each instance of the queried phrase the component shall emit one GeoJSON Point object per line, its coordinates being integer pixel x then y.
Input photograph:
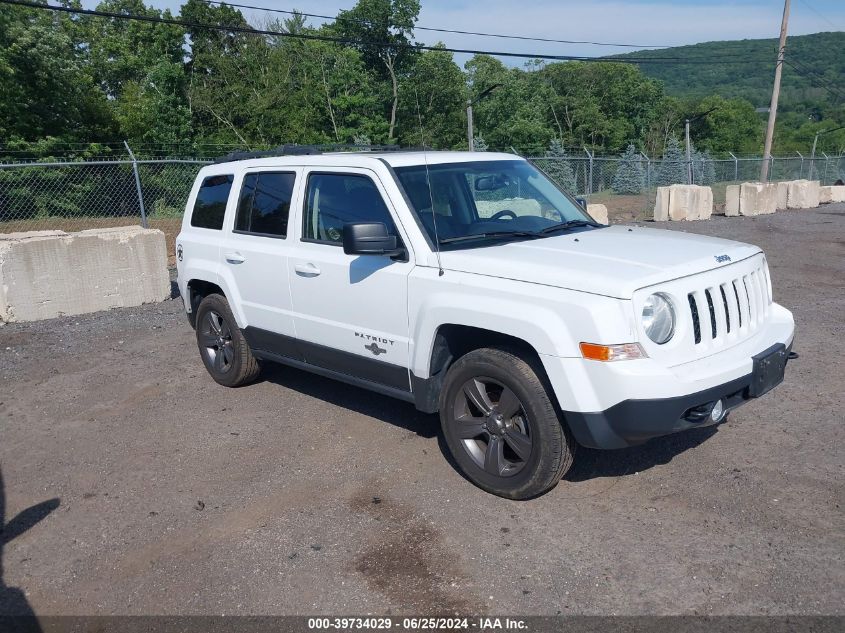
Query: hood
{"type": "Point", "coordinates": [613, 261]}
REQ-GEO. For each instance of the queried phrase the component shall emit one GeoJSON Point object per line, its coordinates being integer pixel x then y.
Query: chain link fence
{"type": "Point", "coordinates": [73, 196]}
{"type": "Point", "coordinates": [596, 177]}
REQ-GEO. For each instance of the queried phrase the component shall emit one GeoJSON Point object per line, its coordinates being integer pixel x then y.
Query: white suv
{"type": "Point", "coordinates": [470, 284]}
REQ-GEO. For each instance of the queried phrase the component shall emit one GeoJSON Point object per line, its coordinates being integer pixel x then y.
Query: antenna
{"type": "Point", "coordinates": [428, 182]}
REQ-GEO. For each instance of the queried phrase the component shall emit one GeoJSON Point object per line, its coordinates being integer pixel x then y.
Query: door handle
{"type": "Point", "coordinates": [307, 270]}
{"type": "Point", "coordinates": [234, 258]}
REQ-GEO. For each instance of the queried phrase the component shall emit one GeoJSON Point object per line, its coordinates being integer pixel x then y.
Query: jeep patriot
{"type": "Point", "coordinates": [472, 286]}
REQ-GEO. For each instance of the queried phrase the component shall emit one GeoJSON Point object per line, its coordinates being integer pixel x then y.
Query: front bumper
{"type": "Point", "coordinates": [633, 422]}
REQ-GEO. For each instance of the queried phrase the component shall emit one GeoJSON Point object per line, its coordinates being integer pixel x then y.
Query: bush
{"type": "Point", "coordinates": [630, 175]}
{"type": "Point", "coordinates": [559, 169]}
{"type": "Point", "coordinates": [673, 168]}
{"type": "Point", "coordinates": [703, 168]}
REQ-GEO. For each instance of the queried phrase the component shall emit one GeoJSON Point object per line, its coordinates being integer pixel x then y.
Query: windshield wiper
{"type": "Point", "coordinates": [490, 235]}
{"type": "Point", "coordinates": [571, 224]}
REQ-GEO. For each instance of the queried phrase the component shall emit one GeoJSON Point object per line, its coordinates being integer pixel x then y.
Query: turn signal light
{"type": "Point", "coordinates": [623, 351]}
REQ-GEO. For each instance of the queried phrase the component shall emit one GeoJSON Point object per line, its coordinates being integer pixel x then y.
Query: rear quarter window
{"type": "Point", "coordinates": [210, 206]}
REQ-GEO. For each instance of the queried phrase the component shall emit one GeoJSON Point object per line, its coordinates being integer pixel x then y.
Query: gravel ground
{"type": "Point", "coordinates": [164, 493]}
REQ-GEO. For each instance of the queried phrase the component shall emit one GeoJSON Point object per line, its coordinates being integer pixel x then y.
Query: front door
{"type": "Point", "coordinates": [350, 311]}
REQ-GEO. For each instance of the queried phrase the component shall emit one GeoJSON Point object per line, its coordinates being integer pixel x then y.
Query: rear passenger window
{"type": "Point", "coordinates": [210, 206]}
{"type": "Point", "coordinates": [265, 204]}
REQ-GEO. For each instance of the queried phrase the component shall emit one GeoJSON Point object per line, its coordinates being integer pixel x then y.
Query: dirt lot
{"type": "Point", "coordinates": [165, 493]}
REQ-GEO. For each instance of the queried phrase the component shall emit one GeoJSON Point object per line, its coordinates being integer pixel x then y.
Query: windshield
{"type": "Point", "coordinates": [488, 200]}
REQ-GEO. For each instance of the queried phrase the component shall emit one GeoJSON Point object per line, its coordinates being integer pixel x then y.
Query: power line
{"type": "Point", "coordinates": [441, 30]}
{"type": "Point", "coordinates": [803, 68]}
{"type": "Point", "coordinates": [811, 8]}
{"type": "Point", "coordinates": [813, 80]}
{"type": "Point", "coordinates": [806, 66]}
{"type": "Point", "coordinates": [437, 30]}
{"type": "Point", "coordinates": [340, 40]}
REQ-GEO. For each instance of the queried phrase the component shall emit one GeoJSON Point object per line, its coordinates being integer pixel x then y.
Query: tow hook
{"type": "Point", "coordinates": [792, 356]}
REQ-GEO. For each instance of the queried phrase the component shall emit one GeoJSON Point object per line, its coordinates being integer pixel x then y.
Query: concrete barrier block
{"type": "Point", "coordinates": [732, 200]}
{"type": "Point", "coordinates": [690, 202]}
{"type": "Point", "coordinates": [825, 195]}
{"type": "Point", "coordinates": [803, 194]}
{"type": "Point", "coordinates": [661, 205]}
{"type": "Point", "coordinates": [680, 202]}
{"type": "Point", "coordinates": [833, 193]}
{"type": "Point", "coordinates": [705, 203]}
{"type": "Point", "coordinates": [783, 191]}
{"type": "Point", "coordinates": [757, 198]}
{"type": "Point", "coordinates": [598, 212]}
{"type": "Point", "coordinates": [45, 274]}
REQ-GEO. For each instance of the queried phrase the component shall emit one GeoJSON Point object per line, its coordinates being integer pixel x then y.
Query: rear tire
{"type": "Point", "coordinates": [501, 426]}
{"type": "Point", "coordinates": [223, 348]}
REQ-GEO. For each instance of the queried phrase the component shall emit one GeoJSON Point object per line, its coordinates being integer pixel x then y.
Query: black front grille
{"type": "Point", "coordinates": [748, 298]}
{"type": "Point", "coordinates": [696, 322]}
{"type": "Point", "coordinates": [727, 311]}
{"type": "Point", "coordinates": [738, 304]}
{"type": "Point", "coordinates": [712, 313]}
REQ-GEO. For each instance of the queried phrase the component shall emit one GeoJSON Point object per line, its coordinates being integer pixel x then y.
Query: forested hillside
{"type": "Point", "coordinates": [78, 85]}
{"type": "Point", "coordinates": [819, 59]}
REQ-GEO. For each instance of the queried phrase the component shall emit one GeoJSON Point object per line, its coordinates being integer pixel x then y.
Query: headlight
{"type": "Point", "coordinates": [659, 318]}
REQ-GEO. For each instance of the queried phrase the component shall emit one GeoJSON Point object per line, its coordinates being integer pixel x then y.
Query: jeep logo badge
{"type": "Point", "coordinates": [375, 349]}
{"type": "Point", "coordinates": [722, 258]}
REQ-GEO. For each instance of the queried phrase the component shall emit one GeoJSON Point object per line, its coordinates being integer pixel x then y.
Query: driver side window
{"type": "Point", "coordinates": [332, 200]}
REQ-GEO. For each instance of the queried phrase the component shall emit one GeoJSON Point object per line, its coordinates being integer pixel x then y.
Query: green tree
{"type": "Point", "coordinates": [731, 125]}
{"type": "Point", "coordinates": [153, 110]}
{"type": "Point", "coordinates": [600, 105]}
{"type": "Point", "coordinates": [121, 52]}
{"type": "Point", "coordinates": [46, 88]}
{"type": "Point", "coordinates": [630, 176]}
{"type": "Point", "coordinates": [512, 115]}
{"type": "Point", "coordinates": [384, 30]}
{"type": "Point", "coordinates": [673, 167]}
{"type": "Point", "coordinates": [559, 168]}
{"type": "Point", "coordinates": [432, 97]}
{"type": "Point", "coordinates": [348, 93]}
{"type": "Point", "coordinates": [703, 168]}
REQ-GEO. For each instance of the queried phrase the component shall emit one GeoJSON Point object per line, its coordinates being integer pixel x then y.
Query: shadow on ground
{"type": "Point", "coordinates": [589, 464]}
{"type": "Point", "coordinates": [390, 410]}
{"type": "Point", "coordinates": [16, 614]}
{"type": "Point", "coordinates": [594, 464]}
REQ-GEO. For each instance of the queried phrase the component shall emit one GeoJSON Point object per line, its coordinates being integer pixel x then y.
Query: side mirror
{"type": "Point", "coordinates": [582, 202]}
{"type": "Point", "coordinates": [369, 238]}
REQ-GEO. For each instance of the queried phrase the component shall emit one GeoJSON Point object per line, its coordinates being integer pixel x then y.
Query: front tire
{"type": "Point", "coordinates": [501, 426]}
{"type": "Point", "coordinates": [223, 348]}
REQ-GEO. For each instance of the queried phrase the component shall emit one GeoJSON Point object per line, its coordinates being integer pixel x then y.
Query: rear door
{"type": "Point", "coordinates": [254, 254]}
{"type": "Point", "coordinates": [350, 311]}
{"type": "Point", "coordinates": [198, 244]}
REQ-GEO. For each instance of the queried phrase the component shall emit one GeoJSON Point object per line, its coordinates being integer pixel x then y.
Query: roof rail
{"type": "Point", "coordinates": [304, 150]}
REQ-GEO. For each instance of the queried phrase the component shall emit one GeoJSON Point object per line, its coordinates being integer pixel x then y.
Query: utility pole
{"type": "Point", "coordinates": [687, 121]}
{"type": "Point", "coordinates": [470, 139]}
{"type": "Point", "coordinates": [773, 108]}
{"type": "Point", "coordinates": [470, 132]}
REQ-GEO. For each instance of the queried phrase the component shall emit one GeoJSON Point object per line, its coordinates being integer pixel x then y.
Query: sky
{"type": "Point", "coordinates": [646, 22]}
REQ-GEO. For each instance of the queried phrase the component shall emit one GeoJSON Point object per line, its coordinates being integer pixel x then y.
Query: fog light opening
{"type": "Point", "coordinates": [718, 412]}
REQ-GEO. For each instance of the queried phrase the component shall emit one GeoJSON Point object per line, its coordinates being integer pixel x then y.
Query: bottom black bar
{"type": "Point", "coordinates": [529, 624]}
